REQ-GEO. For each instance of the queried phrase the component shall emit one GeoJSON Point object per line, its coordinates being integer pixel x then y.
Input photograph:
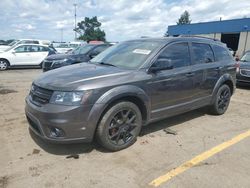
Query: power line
{"type": "Point", "coordinates": [61, 34]}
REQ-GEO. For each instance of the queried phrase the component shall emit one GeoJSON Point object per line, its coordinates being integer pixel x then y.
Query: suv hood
{"type": "Point", "coordinates": [82, 76]}
{"type": "Point", "coordinates": [245, 64]}
{"type": "Point", "coordinates": [61, 57]}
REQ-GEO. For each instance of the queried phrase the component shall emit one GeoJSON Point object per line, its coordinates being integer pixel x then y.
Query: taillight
{"type": "Point", "coordinates": [237, 66]}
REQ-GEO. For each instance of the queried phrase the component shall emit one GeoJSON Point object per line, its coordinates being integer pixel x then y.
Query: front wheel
{"type": "Point", "coordinates": [120, 126]}
{"type": "Point", "coordinates": [4, 64]}
{"type": "Point", "coordinates": [221, 101]}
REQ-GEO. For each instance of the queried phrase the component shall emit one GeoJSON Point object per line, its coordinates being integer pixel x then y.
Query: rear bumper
{"type": "Point", "coordinates": [71, 121]}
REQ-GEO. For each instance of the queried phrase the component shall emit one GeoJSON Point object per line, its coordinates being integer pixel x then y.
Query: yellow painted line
{"type": "Point", "coordinates": [199, 158]}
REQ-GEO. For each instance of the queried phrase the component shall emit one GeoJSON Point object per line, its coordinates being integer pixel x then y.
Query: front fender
{"type": "Point", "coordinates": [115, 94]}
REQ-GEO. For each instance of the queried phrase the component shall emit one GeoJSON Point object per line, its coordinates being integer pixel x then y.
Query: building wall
{"type": "Point", "coordinates": [217, 36]}
{"type": "Point", "coordinates": [244, 42]}
{"type": "Point", "coordinates": [214, 30]}
{"type": "Point", "coordinates": [225, 26]}
{"type": "Point", "coordinates": [211, 35]}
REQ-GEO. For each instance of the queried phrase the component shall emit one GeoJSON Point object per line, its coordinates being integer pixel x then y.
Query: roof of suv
{"type": "Point", "coordinates": [180, 38]}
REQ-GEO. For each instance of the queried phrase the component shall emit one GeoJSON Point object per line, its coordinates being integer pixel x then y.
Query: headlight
{"type": "Point", "coordinates": [66, 98]}
{"type": "Point", "coordinates": [56, 62]}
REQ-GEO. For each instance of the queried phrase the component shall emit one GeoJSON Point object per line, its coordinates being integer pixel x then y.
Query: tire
{"type": "Point", "coordinates": [221, 101]}
{"type": "Point", "coordinates": [4, 64]}
{"type": "Point", "coordinates": [119, 126]}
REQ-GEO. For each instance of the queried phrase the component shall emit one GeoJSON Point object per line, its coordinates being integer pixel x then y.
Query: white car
{"type": "Point", "coordinates": [24, 41]}
{"type": "Point", "coordinates": [24, 55]}
{"type": "Point", "coordinates": [67, 47]}
{"type": "Point", "coordinates": [63, 48]}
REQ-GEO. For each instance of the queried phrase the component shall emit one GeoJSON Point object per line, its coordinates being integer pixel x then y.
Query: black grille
{"type": "Point", "coordinates": [40, 95]}
{"type": "Point", "coordinates": [47, 64]}
{"type": "Point", "coordinates": [34, 126]}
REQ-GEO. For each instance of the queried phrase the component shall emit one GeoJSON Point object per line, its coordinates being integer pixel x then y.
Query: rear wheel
{"type": "Point", "coordinates": [4, 64]}
{"type": "Point", "coordinates": [120, 126]}
{"type": "Point", "coordinates": [222, 100]}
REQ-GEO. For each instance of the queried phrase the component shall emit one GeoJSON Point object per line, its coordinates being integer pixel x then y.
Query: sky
{"type": "Point", "coordinates": [121, 19]}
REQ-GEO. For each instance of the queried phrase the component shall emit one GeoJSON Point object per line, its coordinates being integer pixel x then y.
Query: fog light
{"type": "Point", "coordinates": [56, 132]}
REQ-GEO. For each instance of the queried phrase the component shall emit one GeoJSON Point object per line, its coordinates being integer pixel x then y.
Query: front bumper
{"type": "Point", "coordinates": [242, 79]}
{"type": "Point", "coordinates": [71, 121]}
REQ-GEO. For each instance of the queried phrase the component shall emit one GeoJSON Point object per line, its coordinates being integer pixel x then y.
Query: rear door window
{"type": "Point", "coordinates": [202, 53]}
{"type": "Point", "coordinates": [221, 53]}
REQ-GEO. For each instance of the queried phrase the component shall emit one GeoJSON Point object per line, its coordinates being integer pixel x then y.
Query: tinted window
{"type": "Point", "coordinates": [44, 49]}
{"type": "Point", "coordinates": [24, 48]}
{"type": "Point", "coordinates": [246, 57]}
{"type": "Point", "coordinates": [221, 53]}
{"type": "Point", "coordinates": [30, 48]}
{"type": "Point", "coordinates": [202, 53]}
{"type": "Point", "coordinates": [99, 49]}
{"type": "Point", "coordinates": [177, 54]}
{"type": "Point", "coordinates": [38, 49]}
{"type": "Point", "coordinates": [82, 49]}
{"type": "Point", "coordinates": [29, 42]}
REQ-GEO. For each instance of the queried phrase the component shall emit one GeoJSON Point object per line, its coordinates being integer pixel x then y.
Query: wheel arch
{"type": "Point", "coordinates": [225, 79]}
{"type": "Point", "coordinates": [129, 93]}
{"type": "Point", "coordinates": [5, 60]}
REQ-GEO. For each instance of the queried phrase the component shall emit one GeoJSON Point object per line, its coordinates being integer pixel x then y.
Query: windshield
{"type": "Point", "coordinates": [11, 47]}
{"type": "Point", "coordinates": [13, 42]}
{"type": "Point", "coordinates": [246, 57]}
{"type": "Point", "coordinates": [82, 49]}
{"type": "Point", "coordinates": [127, 54]}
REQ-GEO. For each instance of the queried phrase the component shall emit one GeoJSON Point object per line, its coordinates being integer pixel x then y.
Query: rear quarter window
{"type": "Point", "coordinates": [221, 53]}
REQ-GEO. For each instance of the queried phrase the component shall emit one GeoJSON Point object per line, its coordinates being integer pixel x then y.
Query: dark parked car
{"type": "Point", "coordinates": [243, 70]}
{"type": "Point", "coordinates": [128, 86]}
{"type": "Point", "coordinates": [80, 54]}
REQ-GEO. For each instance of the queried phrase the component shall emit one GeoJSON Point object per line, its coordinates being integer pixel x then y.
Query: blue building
{"type": "Point", "coordinates": [235, 33]}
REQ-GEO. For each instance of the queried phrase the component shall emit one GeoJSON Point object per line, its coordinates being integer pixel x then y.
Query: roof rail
{"type": "Point", "coordinates": [198, 37]}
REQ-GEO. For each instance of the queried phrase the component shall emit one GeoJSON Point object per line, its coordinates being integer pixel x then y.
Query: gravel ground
{"type": "Point", "coordinates": [27, 161]}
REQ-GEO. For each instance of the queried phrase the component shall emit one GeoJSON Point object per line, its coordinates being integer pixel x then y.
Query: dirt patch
{"type": "Point", "coordinates": [7, 91]}
{"type": "Point", "coordinates": [34, 171]}
{"type": "Point", "coordinates": [36, 151]}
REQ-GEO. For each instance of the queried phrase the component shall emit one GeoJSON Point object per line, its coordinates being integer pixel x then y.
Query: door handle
{"type": "Point", "coordinates": [190, 74]}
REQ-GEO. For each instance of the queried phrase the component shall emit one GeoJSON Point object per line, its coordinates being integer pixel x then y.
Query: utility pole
{"type": "Point", "coordinates": [75, 18]}
{"type": "Point", "coordinates": [61, 34]}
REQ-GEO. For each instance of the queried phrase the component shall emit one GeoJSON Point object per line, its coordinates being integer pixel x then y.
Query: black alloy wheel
{"type": "Point", "coordinates": [120, 126]}
{"type": "Point", "coordinates": [222, 100]}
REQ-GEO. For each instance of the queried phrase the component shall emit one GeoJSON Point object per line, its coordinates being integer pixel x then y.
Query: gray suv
{"type": "Point", "coordinates": [130, 85]}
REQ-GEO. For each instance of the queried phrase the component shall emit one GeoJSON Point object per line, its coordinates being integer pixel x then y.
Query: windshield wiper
{"type": "Point", "coordinates": [102, 63]}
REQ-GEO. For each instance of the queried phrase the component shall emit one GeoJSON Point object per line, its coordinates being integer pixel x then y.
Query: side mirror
{"type": "Point", "coordinates": [161, 64]}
